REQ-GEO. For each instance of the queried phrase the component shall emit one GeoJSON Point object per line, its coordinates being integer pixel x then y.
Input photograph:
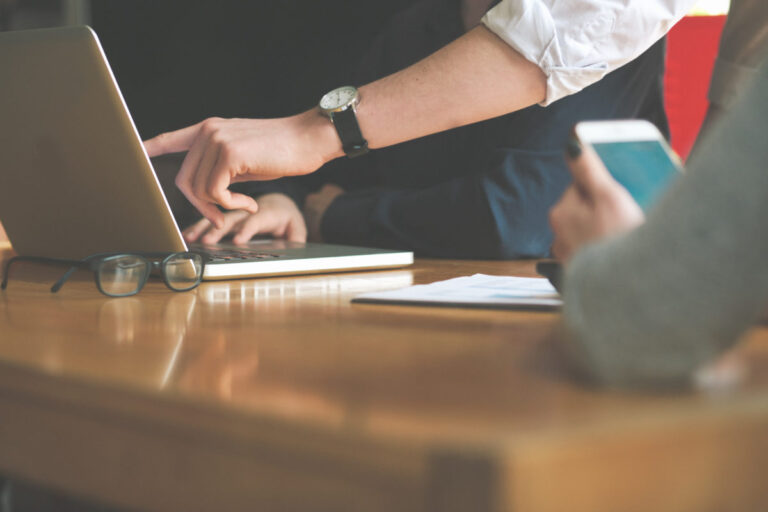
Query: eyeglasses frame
{"type": "Point", "coordinates": [94, 263]}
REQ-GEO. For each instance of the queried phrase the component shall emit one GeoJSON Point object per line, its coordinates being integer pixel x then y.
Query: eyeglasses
{"type": "Point", "coordinates": [122, 275]}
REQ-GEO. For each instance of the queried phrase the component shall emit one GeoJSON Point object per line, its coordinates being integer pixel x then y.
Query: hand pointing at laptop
{"type": "Point", "coordinates": [225, 151]}
{"type": "Point", "coordinates": [427, 97]}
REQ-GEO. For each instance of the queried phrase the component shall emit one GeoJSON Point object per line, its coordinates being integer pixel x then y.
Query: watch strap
{"type": "Point", "coordinates": [352, 139]}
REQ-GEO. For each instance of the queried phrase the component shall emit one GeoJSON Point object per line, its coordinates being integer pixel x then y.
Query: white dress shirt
{"type": "Point", "coordinates": [577, 42]}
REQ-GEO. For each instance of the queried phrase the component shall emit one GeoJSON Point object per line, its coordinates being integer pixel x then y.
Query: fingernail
{"type": "Point", "coordinates": [573, 148]}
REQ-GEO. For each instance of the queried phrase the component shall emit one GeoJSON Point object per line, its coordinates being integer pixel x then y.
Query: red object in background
{"type": "Point", "coordinates": [691, 49]}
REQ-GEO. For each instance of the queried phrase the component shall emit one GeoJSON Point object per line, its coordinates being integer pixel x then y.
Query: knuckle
{"type": "Point", "coordinates": [210, 125]}
{"type": "Point", "coordinates": [231, 154]}
{"type": "Point", "coordinates": [219, 137]}
{"type": "Point", "coordinates": [217, 195]}
{"type": "Point", "coordinates": [226, 151]}
{"type": "Point", "coordinates": [181, 183]}
{"type": "Point", "coordinates": [198, 192]}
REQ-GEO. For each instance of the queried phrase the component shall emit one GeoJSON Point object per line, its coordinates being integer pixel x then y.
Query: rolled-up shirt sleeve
{"type": "Point", "coordinates": [577, 42]}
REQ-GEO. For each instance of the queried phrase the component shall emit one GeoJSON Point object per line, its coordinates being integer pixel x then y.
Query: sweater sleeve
{"type": "Point", "coordinates": [651, 306]}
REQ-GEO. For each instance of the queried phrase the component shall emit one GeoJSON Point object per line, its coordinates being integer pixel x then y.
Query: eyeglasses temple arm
{"type": "Point", "coordinates": [75, 265]}
{"type": "Point", "coordinates": [34, 259]}
{"type": "Point", "coordinates": [63, 279]}
{"type": "Point", "coordinates": [6, 271]}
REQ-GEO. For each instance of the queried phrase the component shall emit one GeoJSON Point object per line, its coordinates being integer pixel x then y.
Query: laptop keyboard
{"type": "Point", "coordinates": [229, 255]}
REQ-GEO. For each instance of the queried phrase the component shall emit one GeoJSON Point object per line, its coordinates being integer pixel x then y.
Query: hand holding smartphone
{"type": "Point", "coordinates": [635, 153]}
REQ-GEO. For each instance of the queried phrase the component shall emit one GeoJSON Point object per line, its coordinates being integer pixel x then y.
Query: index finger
{"type": "Point", "coordinates": [218, 190]}
{"type": "Point", "coordinates": [172, 142]}
{"type": "Point", "coordinates": [193, 232]}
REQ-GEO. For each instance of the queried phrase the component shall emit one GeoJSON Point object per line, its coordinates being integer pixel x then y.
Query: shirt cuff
{"type": "Point", "coordinates": [528, 27]}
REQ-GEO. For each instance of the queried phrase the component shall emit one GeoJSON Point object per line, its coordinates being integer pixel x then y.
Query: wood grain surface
{"type": "Point", "coordinates": [279, 394]}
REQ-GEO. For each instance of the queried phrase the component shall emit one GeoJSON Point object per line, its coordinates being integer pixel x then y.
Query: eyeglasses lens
{"type": "Point", "coordinates": [123, 275]}
{"type": "Point", "coordinates": [183, 271]}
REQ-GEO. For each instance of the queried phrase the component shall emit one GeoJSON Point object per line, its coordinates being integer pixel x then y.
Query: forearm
{"type": "Point", "coordinates": [476, 77]}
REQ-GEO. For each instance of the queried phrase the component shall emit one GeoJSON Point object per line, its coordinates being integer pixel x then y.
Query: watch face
{"type": "Point", "coordinates": [338, 98]}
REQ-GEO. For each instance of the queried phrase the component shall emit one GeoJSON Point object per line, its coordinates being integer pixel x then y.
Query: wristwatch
{"type": "Point", "coordinates": [339, 105]}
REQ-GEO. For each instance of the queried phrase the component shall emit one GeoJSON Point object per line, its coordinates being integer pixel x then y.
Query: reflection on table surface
{"type": "Point", "coordinates": [388, 406]}
{"type": "Point", "coordinates": [296, 348]}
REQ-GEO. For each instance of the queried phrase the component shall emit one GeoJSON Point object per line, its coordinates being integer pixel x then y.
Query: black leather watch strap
{"type": "Point", "coordinates": [352, 139]}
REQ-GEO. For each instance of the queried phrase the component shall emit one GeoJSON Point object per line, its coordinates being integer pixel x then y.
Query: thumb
{"type": "Point", "coordinates": [590, 175]}
{"type": "Point", "coordinates": [296, 231]}
{"type": "Point", "coordinates": [331, 188]}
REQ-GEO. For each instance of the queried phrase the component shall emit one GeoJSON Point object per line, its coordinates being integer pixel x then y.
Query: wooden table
{"type": "Point", "coordinates": [278, 394]}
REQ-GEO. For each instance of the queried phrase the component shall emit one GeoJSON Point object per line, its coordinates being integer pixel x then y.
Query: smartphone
{"type": "Point", "coordinates": [635, 153]}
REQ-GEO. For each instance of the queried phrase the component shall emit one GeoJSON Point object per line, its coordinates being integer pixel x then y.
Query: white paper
{"type": "Point", "coordinates": [479, 290]}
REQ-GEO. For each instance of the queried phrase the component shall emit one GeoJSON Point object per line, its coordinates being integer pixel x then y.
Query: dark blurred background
{"type": "Point", "coordinates": [180, 61]}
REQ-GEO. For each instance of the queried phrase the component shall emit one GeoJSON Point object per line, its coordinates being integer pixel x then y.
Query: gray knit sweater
{"type": "Point", "coordinates": [651, 306]}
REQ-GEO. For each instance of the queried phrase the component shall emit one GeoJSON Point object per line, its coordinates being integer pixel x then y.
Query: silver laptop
{"type": "Point", "coordinates": [75, 179]}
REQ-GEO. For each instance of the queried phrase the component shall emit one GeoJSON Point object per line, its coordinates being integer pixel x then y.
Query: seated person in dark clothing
{"type": "Point", "coordinates": [480, 191]}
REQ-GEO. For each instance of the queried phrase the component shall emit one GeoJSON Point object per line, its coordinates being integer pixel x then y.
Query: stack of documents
{"type": "Point", "coordinates": [479, 290]}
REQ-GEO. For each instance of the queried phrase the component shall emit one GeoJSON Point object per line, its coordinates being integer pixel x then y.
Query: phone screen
{"type": "Point", "coordinates": [644, 167]}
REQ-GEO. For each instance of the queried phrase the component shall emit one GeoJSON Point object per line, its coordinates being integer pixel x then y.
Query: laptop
{"type": "Point", "coordinates": [75, 179]}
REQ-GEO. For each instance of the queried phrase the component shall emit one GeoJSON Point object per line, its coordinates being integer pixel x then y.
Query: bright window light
{"type": "Point", "coordinates": [711, 7]}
